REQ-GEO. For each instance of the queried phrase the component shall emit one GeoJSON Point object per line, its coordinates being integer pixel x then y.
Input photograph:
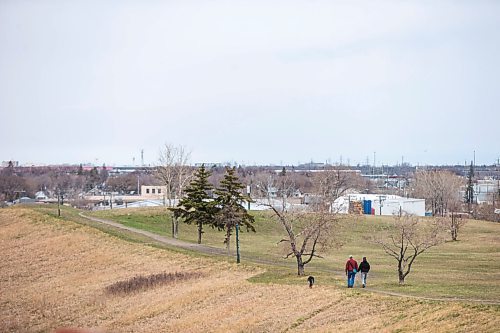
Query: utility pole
{"type": "Point", "coordinates": [138, 188]}
{"type": "Point", "coordinates": [237, 243]}
{"type": "Point", "coordinates": [380, 204]}
{"type": "Point", "coordinates": [373, 172]}
{"type": "Point", "coordinates": [249, 190]}
{"type": "Point", "coordinates": [58, 203]}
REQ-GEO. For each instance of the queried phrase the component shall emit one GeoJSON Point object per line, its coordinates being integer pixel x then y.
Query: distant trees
{"type": "Point", "coordinates": [123, 184]}
{"type": "Point", "coordinates": [231, 213]}
{"type": "Point", "coordinates": [11, 185]}
{"type": "Point", "coordinates": [80, 170]}
{"type": "Point", "coordinates": [104, 174]}
{"type": "Point", "coordinates": [62, 186]}
{"type": "Point", "coordinates": [487, 211]}
{"type": "Point", "coordinates": [173, 170]}
{"type": "Point", "coordinates": [276, 187]}
{"type": "Point", "coordinates": [440, 189]}
{"type": "Point", "coordinates": [174, 173]}
{"type": "Point", "coordinates": [408, 238]}
{"type": "Point", "coordinates": [333, 183]}
{"type": "Point", "coordinates": [93, 179]}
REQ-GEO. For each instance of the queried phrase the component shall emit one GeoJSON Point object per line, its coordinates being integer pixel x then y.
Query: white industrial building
{"type": "Point", "coordinates": [381, 204]}
{"type": "Point", "coordinates": [485, 190]}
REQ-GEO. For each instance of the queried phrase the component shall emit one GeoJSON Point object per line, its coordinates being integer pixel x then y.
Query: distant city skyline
{"type": "Point", "coordinates": [345, 162]}
{"type": "Point", "coordinates": [256, 83]}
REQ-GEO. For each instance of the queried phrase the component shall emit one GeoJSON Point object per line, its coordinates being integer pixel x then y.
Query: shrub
{"type": "Point", "coordinates": [141, 282]}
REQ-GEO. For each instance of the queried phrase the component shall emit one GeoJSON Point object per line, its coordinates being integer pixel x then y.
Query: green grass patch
{"type": "Point", "coordinates": [466, 269]}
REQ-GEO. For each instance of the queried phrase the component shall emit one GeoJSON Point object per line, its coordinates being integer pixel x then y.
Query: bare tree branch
{"type": "Point", "coordinates": [409, 239]}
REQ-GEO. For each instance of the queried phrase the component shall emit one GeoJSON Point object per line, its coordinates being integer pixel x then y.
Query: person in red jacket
{"type": "Point", "coordinates": [351, 267]}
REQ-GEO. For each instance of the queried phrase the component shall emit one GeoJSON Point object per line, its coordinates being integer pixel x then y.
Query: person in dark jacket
{"type": "Point", "coordinates": [364, 268]}
{"type": "Point", "coordinates": [351, 267]}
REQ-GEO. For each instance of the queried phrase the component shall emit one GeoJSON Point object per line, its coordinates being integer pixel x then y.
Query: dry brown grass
{"type": "Point", "coordinates": [54, 273]}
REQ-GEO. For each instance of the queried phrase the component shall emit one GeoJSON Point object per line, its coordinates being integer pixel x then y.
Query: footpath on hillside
{"type": "Point", "coordinates": [165, 240]}
{"type": "Point", "coordinates": [216, 251]}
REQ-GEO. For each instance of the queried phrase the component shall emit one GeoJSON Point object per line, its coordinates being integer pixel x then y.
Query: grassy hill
{"type": "Point", "coordinates": [468, 268]}
{"type": "Point", "coordinates": [56, 272]}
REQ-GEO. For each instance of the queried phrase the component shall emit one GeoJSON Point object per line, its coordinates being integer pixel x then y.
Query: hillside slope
{"type": "Point", "coordinates": [54, 273]}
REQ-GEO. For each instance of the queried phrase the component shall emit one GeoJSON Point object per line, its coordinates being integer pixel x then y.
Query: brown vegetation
{"type": "Point", "coordinates": [54, 274]}
{"type": "Point", "coordinates": [440, 189]}
{"type": "Point", "coordinates": [141, 282]}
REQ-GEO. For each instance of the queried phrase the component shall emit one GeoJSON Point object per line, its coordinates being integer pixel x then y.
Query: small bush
{"type": "Point", "coordinates": [141, 282]}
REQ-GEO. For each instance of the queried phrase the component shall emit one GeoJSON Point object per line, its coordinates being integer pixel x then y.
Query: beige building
{"type": "Point", "coordinates": [153, 191]}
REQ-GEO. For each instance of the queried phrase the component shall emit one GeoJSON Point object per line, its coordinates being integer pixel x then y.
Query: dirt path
{"type": "Point", "coordinates": [169, 241]}
{"type": "Point", "coordinates": [212, 250]}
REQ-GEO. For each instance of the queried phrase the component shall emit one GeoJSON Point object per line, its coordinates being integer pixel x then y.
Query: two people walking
{"type": "Point", "coordinates": [351, 268]}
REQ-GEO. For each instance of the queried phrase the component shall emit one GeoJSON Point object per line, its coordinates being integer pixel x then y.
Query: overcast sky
{"type": "Point", "coordinates": [265, 82]}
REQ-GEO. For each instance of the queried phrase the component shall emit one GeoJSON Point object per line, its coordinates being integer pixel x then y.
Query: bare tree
{"type": "Point", "coordinates": [174, 172]}
{"type": "Point", "coordinates": [11, 186]}
{"type": "Point", "coordinates": [166, 170]}
{"type": "Point", "coordinates": [488, 212]}
{"type": "Point", "coordinates": [440, 189]}
{"type": "Point", "coordinates": [456, 222]}
{"type": "Point", "coordinates": [276, 187]}
{"type": "Point", "coordinates": [123, 184]}
{"type": "Point", "coordinates": [408, 239]}
{"type": "Point", "coordinates": [308, 234]}
{"type": "Point", "coordinates": [334, 183]}
{"type": "Point", "coordinates": [453, 221]}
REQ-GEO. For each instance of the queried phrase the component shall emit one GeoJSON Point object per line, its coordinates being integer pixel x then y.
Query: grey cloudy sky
{"type": "Point", "coordinates": [250, 81]}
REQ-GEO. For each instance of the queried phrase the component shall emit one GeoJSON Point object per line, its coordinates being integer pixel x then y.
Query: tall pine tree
{"type": "Point", "coordinates": [197, 206]}
{"type": "Point", "coordinates": [230, 202]}
{"type": "Point", "coordinates": [80, 170]}
{"type": "Point", "coordinates": [469, 191]}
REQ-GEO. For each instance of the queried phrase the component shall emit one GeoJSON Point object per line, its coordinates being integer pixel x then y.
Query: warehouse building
{"type": "Point", "coordinates": [378, 204]}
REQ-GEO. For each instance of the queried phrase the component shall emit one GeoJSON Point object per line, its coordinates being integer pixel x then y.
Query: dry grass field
{"type": "Point", "coordinates": [54, 273]}
{"type": "Point", "coordinates": [468, 269]}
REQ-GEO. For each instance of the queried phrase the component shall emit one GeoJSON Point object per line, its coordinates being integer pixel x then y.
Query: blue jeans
{"type": "Point", "coordinates": [363, 277]}
{"type": "Point", "coordinates": [350, 278]}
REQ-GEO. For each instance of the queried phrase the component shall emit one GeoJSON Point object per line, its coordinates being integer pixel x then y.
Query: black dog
{"type": "Point", "coordinates": [311, 281]}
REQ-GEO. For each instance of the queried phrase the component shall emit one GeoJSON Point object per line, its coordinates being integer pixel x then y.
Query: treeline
{"type": "Point", "coordinates": [70, 181]}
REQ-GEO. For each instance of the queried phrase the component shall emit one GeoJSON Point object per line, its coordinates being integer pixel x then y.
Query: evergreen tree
{"type": "Point", "coordinates": [469, 191]}
{"type": "Point", "coordinates": [10, 169]}
{"type": "Point", "coordinates": [93, 179]}
{"type": "Point", "coordinates": [80, 170]}
{"type": "Point", "coordinates": [104, 174]}
{"type": "Point", "coordinates": [197, 206]}
{"type": "Point", "coordinates": [231, 211]}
